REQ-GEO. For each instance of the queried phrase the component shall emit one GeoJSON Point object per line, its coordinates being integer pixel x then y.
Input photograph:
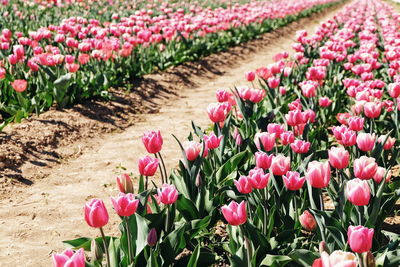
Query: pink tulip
{"type": "Point", "coordinates": [308, 221]}
{"type": "Point", "coordinates": [275, 128]}
{"type": "Point", "coordinates": [287, 138]}
{"type": "Point", "coordinates": [273, 82]}
{"type": "Point", "coordinates": [250, 76]}
{"type": "Point", "coordinates": [360, 238]}
{"type": "Point", "coordinates": [192, 149]}
{"type": "Point", "coordinates": [234, 213]}
{"type": "Point", "coordinates": [125, 204]}
{"type": "Point", "coordinates": [372, 110]}
{"type": "Point", "coordinates": [356, 123]}
{"type": "Point", "coordinates": [153, 141]}
{"type": "Point", "coordinates": [124, 183]}
{"type": "Point", "coordinates": [243, 185]}
{"type": "Point", "coordinates": [390, 141]}
{"type": "Point", "coordinates": [294, 117]}
{"type": "Point", "coordinates": [394, 90]}
{"type": "Point", "coordinates": [300, 146]}
{"type": "Point", "coordinates": [263, 160]}
{"type": "Point", "coordinates": [380, 173]}
{"type": "Point", "coordinates": [69, 259]}
{"type": "Point", "coordinates": [212, 141]}
{"type": "Point", "coordinates": [258, 179]}
{"type": "Point", "coordinates": [325, 102]}
{"type": "Point", "coordinates": [348, 138]}
{"type": "Point", "coordinates": [293, 181]}
{"type": "Point", "coordinates": [167, 194]}
{"type": "Point", "coordinates": [96, 214]}
{"type": "Point", "coordinates": [256, 95]}
{"type": "Point", "coordinates": [338, 157]}
{"type": "Point", "coordinates": [148, 166]}
{"type": "Point", "coordinates": [358, 192]}
{"type": "Point", "coordinates": [318, 174]}
{"type": "Point", "coordinates": [280, 165]}
{"type": "Point", "coordinates": [338, 258]}
{"type": "Point", "coordinates": [366, 141]}
{"type": "Point", "coordinates": [217, 112]}
{"type": "Point", "coordinates": [19, 85]}
{"type": "Point", "coordinates": [365, 167]}
{"type": "Point", "coordinates": [265, 139]}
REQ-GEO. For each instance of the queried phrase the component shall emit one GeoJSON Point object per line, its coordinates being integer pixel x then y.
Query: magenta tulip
{"type": "Point", "coordinates": [258, 178]}
{"type": "Point", "coordinates": [153, 141]}
{"type": "Point", "coordinates": [243, 185]}
{"type": "Point", "coordinates": [167, 194]}
{"type": "Point", "coordinates": [69, 259]}
{"type": "Point", "coordinates": [365, 167]}
{"type": "Point", "coordinates": [125, 204]}
{"type": "Point", "coordinates": [293, 181]}
{"type": "Point", "coordinates": [318, 174]}
{"type": "Point", "coordinates": [339, 157]}
{"type": "Point", "coordinates": [360, 238]}
{"type": "Point", "coordinates": [263, 160]}
{"type": "Point", "coordinates": [280, 165]}
{"type": "Point", "coordinates": [96, 214]}
{"type": "Point", "coordinates": [212, 141]}
{"type": "Point", "coordinates": [234, 213]}
{"type": "Point", "coordinates": [148, 165]}
{"type": "Point", "coordinates": [265, 139]}
{"type": "Point", "coordinates": [358, 192]}
{"type": "Point", "coordinates": [300, 146]}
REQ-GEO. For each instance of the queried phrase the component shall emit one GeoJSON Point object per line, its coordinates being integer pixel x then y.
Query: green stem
{"type": "Point", "coordinates": [247, 246]}
{"type": "Point", "coordinates": [128, 233]}
{"type": "Point", "coordinates": [105, 246]}
{"type": "Point", "coordinates": [160, 168]}
{"type": "Point", "coordinates": [163, 165]}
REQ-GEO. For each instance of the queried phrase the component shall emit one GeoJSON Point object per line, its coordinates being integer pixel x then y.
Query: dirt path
{"type": "Point", "coordinates": [36, 219]}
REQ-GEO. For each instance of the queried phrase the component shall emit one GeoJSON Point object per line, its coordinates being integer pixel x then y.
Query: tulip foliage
{"type": "Point", "coordinates": [299, 168]}
{"type": "Point", "coordinates": [77, 58]}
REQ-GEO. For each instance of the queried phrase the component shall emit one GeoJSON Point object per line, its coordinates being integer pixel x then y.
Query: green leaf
{"type": "Point", "coordinates": [195, 257]}
{"type": "Point", "coordinates": [278, 260]}
{"type": "Point", "coordinates": [187, 208]}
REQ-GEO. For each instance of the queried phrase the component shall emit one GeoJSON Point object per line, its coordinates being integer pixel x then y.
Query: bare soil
{"type": "Point", "coordinates": [52, 164]}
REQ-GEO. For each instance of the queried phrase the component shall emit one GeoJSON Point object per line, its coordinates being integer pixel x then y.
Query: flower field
{"type": "Point", "coordinates": [296, 165]}
{"type": "Point", "coordinates": [299, 168]}
{"type": "Point", "coordinates": [58, 62]}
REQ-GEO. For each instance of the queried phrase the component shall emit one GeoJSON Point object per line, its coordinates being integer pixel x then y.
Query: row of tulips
{"type": "Point", "coordinates": [299, 168]}
{"type": "Point", "coordinates": [80, 58]}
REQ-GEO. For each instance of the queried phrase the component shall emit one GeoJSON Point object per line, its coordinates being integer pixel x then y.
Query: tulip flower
{"type": "Point", "coordinates": [356, 123]}
{"type": "Point", "coordinates": [280, 165]}
{"type": "Point", "coordinates": [212, 141]}
{"type": "Point", "coordinates": [293, 181]}
{"type": "Point", "coordinates": [308, 221]}
{"type": "Point", "coordinates": [234, 213]}
{"type": "Point", "coordinates": [348, 138]}
{"type": "Point", "coordinates": [192, 149]}
{"type": "Point", "coordinates": [96, 214]}
{"type": "Point", "coordinates": [365, 167]}
{"type": "Point", "coordinates": [148, 165]}
{"type": "Point", "coordinates": [390, 141]}
{"type": "Point", "coordinates": [265, 139]}
{"type": "Point", "coordinates": [167, 194]}
{"type": "Point", "coordinates": [287, 138]}
{"type": "Point", "coordinates": [263, 160]}
{"type": "Point", "coordinates": [366, 141]}
{"type": "Point", "coordinates": [19, 85]}
{"type": "Point", "coordinates": [358, 192]}
{"type": "Point", "coordinates": [125, 204]}
{"type": "Point", "coordinates": [217, 112]}
{"type": "Point", "coordinates": [250, 76]}
{"type": "Point", "coordinates": [124, 183]}
{"type": "Point", "coordinates": [243, 185]}
{"type": "Point", "coordinates": [318, 174]}
{"type": "Point", "coordinates": [153, 141]}
{"type": "Point", "coordinates": [394, 90]}
{"type": "Point", "coordinates": [152, 237]}
{"type": "Point", "coordinates": [360, 238]}
{"type": "Point", "coordinates": [338, 157]}
{"type": "Point", "coordinates": [338, 258]}
{"type": "Point", "coordinates": [380, 173]}
{"type": "Point", "coordinates": [69, 259]}
{"type": "Point", "coordinates": [372, 110]}
{"type": "Point", "coordinates": [258, 179]}
{"type": "Point", "coordinates": [275, 128]}
{"type": "Point", "coordinates": [300, 146]}
{"type": "Point", "coordinates": [324, 102]}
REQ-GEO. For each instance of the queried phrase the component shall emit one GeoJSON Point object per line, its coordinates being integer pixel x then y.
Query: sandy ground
{"type": "Point", "coordinates": [35, 219]}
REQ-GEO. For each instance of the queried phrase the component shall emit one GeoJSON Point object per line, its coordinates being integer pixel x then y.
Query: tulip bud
{"type": "Point", "coordinates": [323, 247]}
{"type": "Point", "coordinates": [308, 221]}
{"type": "Point", "coordinates": [152, 237]}
{"type": "Point", "coordinates": [124, 183]}
{"type": "Point", "coordinates": [96, 251]}
{"type": "Point", "coordinates": [198, 180]}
